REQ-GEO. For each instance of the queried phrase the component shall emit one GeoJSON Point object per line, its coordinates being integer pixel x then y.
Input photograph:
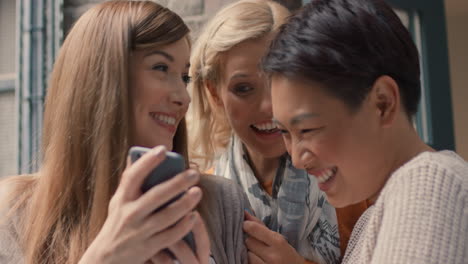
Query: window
{"type": "Point", "coordinates": [40, 34]}
{"type": "Point", "coordinates": [425, 20]}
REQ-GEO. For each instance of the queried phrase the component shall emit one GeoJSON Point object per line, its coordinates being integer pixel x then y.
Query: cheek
{"type": "Point", "coordinates": [238, 113]}
{"type": "Point", "coordinates": [329, 147]}
{"type": "Point", "coordinates": [150, 89]}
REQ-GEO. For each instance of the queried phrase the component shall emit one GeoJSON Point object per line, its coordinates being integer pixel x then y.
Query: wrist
{"type": "Point", "coordinates": [93, 255]}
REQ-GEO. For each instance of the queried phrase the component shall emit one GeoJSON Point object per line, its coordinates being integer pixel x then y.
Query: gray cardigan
{"type": "Point", "coordinates": [223, 214]}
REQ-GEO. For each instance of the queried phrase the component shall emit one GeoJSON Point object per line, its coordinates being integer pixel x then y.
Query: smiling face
{"type": "Point", "coordinates": [342, 148]}
{"type": "Point", "coordinates": [159, 98]}
{"type": "Point", "coordinates": [245, 98]}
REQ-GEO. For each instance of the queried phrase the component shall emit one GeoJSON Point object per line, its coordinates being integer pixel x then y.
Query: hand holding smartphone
{"type": "Point", "coordinates": [167, 169]}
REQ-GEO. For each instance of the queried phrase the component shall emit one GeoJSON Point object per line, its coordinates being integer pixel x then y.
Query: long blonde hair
{"type": "Point", "coordinates": [236, 23]}
{"type": "Point", "coordinates": [86, 128]}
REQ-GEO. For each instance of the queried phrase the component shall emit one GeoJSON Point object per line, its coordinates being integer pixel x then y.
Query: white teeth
{"type": "Point", "coordinates": [164, 118]}
{"type": "Point", "coordinates": [267, 126]}
{"type": "Point", "coordinates": [326, 175]}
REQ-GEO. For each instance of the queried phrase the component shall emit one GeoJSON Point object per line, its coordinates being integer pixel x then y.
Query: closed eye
{"type": "Point", "coordinates": [305, 131]}
{"type": "Point", "coordinates": [282, 131]}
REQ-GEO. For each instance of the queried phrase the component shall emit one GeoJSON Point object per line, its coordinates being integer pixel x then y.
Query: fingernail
{"type": "Point", "coordinates": [249, 211]}
{"type": "Point", "coordinates": [158, 150]}
{"type": "Point", "coordinates": [196, 193]}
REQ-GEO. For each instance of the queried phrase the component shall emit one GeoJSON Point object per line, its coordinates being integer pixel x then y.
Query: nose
{"type": "Point", "coordinates": [265, 103]}
{"type": "Point", "coordinates": [302, 158]}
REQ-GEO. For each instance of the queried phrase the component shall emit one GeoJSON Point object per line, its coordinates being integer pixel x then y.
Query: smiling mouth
{"type": "Point", "coordinates": [265, 128]}
{"type": "Point", "coordinates": [165, 119]}
{"type": "Point", "coordinates": [325, 175]}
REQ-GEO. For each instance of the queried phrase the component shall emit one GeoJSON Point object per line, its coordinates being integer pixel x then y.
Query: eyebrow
{"type": "Point", "coordinates": [297, 119]}
{"type": "Point", "coordinates": [164, 54]}
{"type": "Point", "coordinates": [301, 117]}
{"type": "Point", "coordinates": [238, 75]}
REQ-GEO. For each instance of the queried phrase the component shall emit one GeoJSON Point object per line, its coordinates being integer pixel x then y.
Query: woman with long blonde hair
{"type": "Point", "coordinates": [119, 80]}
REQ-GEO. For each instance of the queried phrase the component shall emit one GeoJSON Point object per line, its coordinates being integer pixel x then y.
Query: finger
{"type": "Point", "coordinates": [164, 192]}
{"type": "Point", "coordinates": [172, 213]}
{"type": "Point", "coordinates": [254, 259]}
{"type": "Point", "coordinates": [171, 235]}
{"type": "Point", "coordinates": [133, 176]}
{"type": "Point", "coordinates": [202, 240]}
{"type": "Point", "coordinates": [257, 247]}
{"type": "Point", "coordinates": [129, 162]}
{"type": "Point", "coordinates": [260, 232]}
{"type": "Point", "coordinates": [183, 253]}
{"type": "Point", "coordinates": [250, 217]}
{"type": "Point", "coordinates": [162, 257]}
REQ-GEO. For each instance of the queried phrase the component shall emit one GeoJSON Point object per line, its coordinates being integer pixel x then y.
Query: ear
{"type": "Point", "coordinates": [386, 98]}
{"type": "Point", "coordinates": [214, 93]}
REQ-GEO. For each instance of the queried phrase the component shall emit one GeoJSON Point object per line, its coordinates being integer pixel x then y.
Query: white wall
{"type": "Point", "coordinates": [8, 152]}
{"type": "Point", "coordinates": [7, 36]}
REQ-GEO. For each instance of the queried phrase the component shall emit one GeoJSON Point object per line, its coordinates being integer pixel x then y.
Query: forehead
{"type": "Point", "coordinates": [294, 89]}
{"type": "Point", "coordinates": [180, 48]}
{"type": "Point", "coordinates": [179, 51]}
{"type": "Point", "coordinates": [245, 56]}
{"type": "Point", "coordinates": [296, 96]}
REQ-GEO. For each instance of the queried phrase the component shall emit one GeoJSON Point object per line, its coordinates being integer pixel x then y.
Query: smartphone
{"type": "Point", "coordinates": [167, 169]}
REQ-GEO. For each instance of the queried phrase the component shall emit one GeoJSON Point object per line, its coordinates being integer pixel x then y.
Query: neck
{"type": "Point", "coordinates": [408, 145]}
{"type": "Point", "coordinates": [402, 147]}
{"type": "Point", "coordinates": [263, 167]}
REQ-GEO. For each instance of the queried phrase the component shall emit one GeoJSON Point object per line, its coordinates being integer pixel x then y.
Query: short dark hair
{"type": "Point", "coordinates": [346, 45]}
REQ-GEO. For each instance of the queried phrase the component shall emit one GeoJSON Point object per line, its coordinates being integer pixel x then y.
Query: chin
{"type": "Point", "coordinates": [272, 154]}
{"type": "Point", "coordinates": [338, 204]}
{"type": "Point", "coordinates": [168, 146]}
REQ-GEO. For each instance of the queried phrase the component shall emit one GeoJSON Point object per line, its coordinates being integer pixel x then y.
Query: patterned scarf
{"type": "Point", "coordinates": [297, 209]}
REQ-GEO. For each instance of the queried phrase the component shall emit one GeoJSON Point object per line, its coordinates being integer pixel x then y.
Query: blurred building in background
{"type": "Point", "coordinates": [31, 32]}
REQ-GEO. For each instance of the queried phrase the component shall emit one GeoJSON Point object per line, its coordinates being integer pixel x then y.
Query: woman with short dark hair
{"type": "Point", "coordinates": [345, 79]}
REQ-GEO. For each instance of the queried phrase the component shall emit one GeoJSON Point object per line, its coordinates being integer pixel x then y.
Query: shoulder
{"type": "Point", "coordinates": [222, 189]}
{"type": "Point", "coordinates": [431, 173]}
{"type": "Point", "coordinates": [217, 182]}
{"type": "Point", "coordinates": [222, 207]}
{"type": "Point", "coordinates": [422, 206]}
{"type": "Point", "coordinates": [13, 186]}
{"type": "Point", "coordinates": [12, 196]}
{"type": "Point", "coordinates": [430, 190]}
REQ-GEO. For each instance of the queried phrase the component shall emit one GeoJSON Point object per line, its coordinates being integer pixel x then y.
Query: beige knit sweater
{"type": "Point", "coordinates": [421, 215]}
